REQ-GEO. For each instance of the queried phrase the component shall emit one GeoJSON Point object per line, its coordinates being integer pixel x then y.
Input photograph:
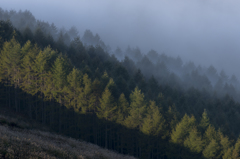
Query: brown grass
{"type": "Point", "coordinates": [18, 142]}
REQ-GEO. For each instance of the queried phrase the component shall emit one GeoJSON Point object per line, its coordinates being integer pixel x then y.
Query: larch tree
{"type": "Point", "coordinates": [28, 63]}
{"type": "Point", "coordinates": [211, 150]}
{"type": "Point", "coordinates": [74, 88]}
{"type": "Point", "coordinates": [107, 106]}
{"type": "Point", "coordinates": [236, 150]}
{"type": "Point", "coordinates": [209, 134]}
{"type": "Point", "coordinates": [59, 77]}
{"type": "Point", "coordinates": [194, 141]}
{"type": "Point", "coordinates": [42, 65]}
{"type": "Point", "coordinates": [154, 122]}
{"type": "Point", "coordinates": [137, 110]}
{"type": "Point", "coordinates": [85, 96]}
{"type": "Point", "coordinates": [59, 80]}
{"type": "Point", "coordinates": [11, 58]}
{"type": "Point", "coordinates": [182, 129]}
{"type": "Point", "coordinates": [204, 121]}
{"type": "Point", "coordinates": [225, 144]}
{"type": "Point", "coordinates": [123, 109]}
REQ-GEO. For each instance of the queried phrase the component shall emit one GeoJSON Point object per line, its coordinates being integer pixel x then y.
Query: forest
{"type": "Point", "coordinates": [147, 105]}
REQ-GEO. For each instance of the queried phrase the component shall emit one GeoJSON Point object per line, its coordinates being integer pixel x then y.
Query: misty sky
{"type": "Point", "coordinates": [204, 31]}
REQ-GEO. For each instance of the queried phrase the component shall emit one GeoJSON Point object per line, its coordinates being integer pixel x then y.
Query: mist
{"type": "Point", "coordinates": [205, 32]}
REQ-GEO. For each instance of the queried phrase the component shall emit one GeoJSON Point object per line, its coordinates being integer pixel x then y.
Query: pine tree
{"type": "Point", "coordinates": [74, 88]}
{"type": "Point", "coordinates": [172, 116]}
{"type": "Point", "coordinates": [194, 141]}
{"type": "Point", "coordinates": [154, 122]}
{"type": "Point", "coordinates": [84, 97]}
{"type": "Point", "coordinates": [11, 58]}
{"type": "Point", "coordinates": [182, 129]}
{"type": "Point", "coordinates": [59, 77]}
{"type": "Point", "coordinates": [42, 65]}
{"type": "Point", "coordinates": [225, 144]}
{"type": "Point", "coordinates": [210, 134]}
{"type": "Point", "coordinates": [112, 88]}
{"type": "Point", "coordinates": [28, 82]}
{"type": "Point", "coordinates": [236, 150]}
{"type": "Point", "coordinates": [123, 109]}
{"type": "Point", "coordinates": [107, 106]}
{"type": "Point", "coordinates": [204, 121]}
{"type": "Point", "coordinates": [228, 153]}
{"type": "Point", "coordinates": [137, 109]}
{"type": "Point", "coordinates": [211, 150]}
{"type": "Point", "coordinates": [59, 80]}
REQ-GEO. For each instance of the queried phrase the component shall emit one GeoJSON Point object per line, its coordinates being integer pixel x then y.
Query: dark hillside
{"type": "Point", "coordinates": [18, 141]}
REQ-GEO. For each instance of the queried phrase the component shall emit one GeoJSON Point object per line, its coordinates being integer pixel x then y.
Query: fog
{"type": "Point", "coordinates": [203, 31]}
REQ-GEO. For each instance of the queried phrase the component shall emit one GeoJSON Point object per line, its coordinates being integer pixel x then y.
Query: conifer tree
{"type": "Point", "coordinates": [204, 121]}
{"type": "Point", "coordinates": [74, 88]}
{"type": "Point", "coordinates": [236, 150]}
{"type": "Point", "coordinates": [137, 109]}
{"type": "Point", "coordinates": [11, 58]}
{"type": "Point", "coordinates": [225, 144]}
{"type": "Point", "coordinates": [28, 63]}
{"type": "Point", "coordinates": [154, 123]}
{"type": "Point", "coordinates": [59, 77]}
{"type": "Point", "coordinates": [84, 97]}
{"type": "Point", "coordinates": [42, 65]}
{"type": "Point", "coordinates": [59, 80]}
{"type": "Point", "coordinates": [95, 95]}
{"type": "Point", "coordinates": [211, 150]}
{"type": "Point", "coordinates": [123, 109]}
{"type": "Point", "coordinates": [112, 88]}
{"type": "Point", "coordinates": [182, 129]}
{"type": "Point", "coordinates": [228, 153]}
{"type": "Point", "coordinates": [210, 134]}
{"type": "Point", "coordinates": [194, 141]}
{"type": "Point", "coordinates": [172, 116]}
{"type": "Point", "coordinates": [107, 106]}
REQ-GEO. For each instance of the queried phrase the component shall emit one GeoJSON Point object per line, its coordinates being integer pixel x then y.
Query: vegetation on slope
{"type": "Point", "coordinates": [84, 93]}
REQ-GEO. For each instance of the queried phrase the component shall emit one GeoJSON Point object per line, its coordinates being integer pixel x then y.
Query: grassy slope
{"type": "Point", "coordinates": [17, 140]}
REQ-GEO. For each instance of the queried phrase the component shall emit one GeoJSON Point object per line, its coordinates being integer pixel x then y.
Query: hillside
{"type": "Point", "coordinates": [83, 91]}
{"type": "Point", "coordinates": [18, 141]}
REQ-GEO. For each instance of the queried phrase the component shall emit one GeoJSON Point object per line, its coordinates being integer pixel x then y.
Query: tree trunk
{"type": "Point", "coordinates": [106, 138]}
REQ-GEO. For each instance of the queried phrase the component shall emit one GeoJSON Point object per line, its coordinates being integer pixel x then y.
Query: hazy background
{"type": "Point", "coordinates": [204, 31]}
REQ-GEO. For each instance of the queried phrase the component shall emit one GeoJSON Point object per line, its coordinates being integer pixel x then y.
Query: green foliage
{"type": "Point", "coordinates": [74, 88]}
{"type": "Point", "coordinates": [194, 141]}
{"type": "Point", "coordinates": [228, 154]}
{"type": "Point", "coordinates": [204, 121]}
{"type": "Point", "coordinates": [236, 150]}
{"type": "Point", "coordinates": [28, 64]}
{"type": "Point", "coordinates": [225, 144]}
{"type": "Point", "coordinates": [122, 108]}
{"type": "Point", "coordinates": [210, 134]}
{"type": "Point", "coordinates": [137, 109]}
{"type": "Point", "coordinates": [154, 123]}
{"type": "Point", "coordinates": [10, 60]}
{"type": "Point", "coordinates": [107, 106]}
{"type": "Point", "coordinates": [46, 74]}
{"type": "Point", "coordinates": [59, 72]}
{"type": "Point", "coordinates": [85, 96]}
{"type": "Point", "coordinates": [182, 129]}
{"type": "Point", "coordinates": [211, 150]}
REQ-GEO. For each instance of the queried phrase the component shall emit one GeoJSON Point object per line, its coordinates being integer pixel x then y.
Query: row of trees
{"type": "Point", "coordinates": [44, 84]}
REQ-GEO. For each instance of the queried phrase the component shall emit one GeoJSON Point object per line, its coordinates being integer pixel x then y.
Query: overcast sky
{"type": "Point", "coordinates": [204, 31]}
